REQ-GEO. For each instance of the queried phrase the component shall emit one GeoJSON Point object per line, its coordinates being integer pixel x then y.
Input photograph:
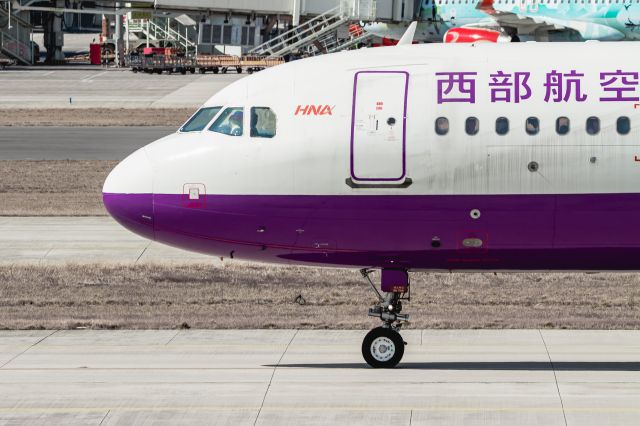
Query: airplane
{"type": "Point", "coordinates": [463, 21]}
{"type": "Point", "coordinates": [415, 157]}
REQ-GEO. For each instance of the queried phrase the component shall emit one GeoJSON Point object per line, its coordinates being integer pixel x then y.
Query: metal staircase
{"type": "Point", "coordinates": [318, 35]}
{"type": "Point", "coordinates": [15, 36]}
{"type": "Point", "coordinates": [160, 31]}
{"type": "Point", "coordinates": [353, 41]}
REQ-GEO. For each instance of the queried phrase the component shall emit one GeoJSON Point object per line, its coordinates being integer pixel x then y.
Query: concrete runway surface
{"type": "Point", "coordinates": [75, 143]}
{"type": "Point", "coordinates": [282, 377]}
{"type": "Point", "coordinates": [107, 88]}
{"type": "Point", "coordinates": [56, 240]}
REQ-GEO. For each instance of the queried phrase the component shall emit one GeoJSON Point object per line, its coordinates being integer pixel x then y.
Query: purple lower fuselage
{"type": "Point", "coordinates": [518, 232]}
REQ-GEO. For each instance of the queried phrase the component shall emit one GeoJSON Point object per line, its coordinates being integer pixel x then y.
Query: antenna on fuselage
{"type": "Point", "coordinates": [407, 37]}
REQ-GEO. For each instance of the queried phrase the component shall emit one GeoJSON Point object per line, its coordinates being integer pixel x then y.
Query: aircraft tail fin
{"type": "Point", "coordinates": [407, 37]}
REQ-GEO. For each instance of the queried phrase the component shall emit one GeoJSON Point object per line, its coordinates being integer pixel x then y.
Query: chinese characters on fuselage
{"type": "Point", "coordinates": [514, 87]}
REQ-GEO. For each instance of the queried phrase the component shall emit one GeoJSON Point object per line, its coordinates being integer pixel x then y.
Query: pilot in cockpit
{"type": "Point", "coordinates": [235, 123]}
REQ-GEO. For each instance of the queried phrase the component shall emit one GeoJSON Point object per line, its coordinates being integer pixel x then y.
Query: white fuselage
{"type": "Point", "coordinates": [347, 146]}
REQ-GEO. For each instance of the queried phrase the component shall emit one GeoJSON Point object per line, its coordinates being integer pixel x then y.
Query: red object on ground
{"type": "Point", "coordinates": [94, 53]}
{"type": "Point", "coordinates": [473, 35]}
{"type": "Point", "coordinates": [148, 51]}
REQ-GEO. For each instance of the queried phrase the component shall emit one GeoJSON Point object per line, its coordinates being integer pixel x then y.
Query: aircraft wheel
{"type": "Point", "coordinates": [383, 348]}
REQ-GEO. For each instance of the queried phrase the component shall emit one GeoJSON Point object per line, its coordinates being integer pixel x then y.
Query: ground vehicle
{"type": "Point", "coordinates": [175, 63]}
{"type": "Point", "coordinates": [162, 63]}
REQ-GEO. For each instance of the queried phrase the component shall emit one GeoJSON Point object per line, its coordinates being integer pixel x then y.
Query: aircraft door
{"type": "Point", "coordinates": [378, 127]}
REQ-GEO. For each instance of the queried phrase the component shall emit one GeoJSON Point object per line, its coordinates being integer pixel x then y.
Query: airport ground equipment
{"type": "Point", "coordinates": [157, 64]}
{"type": "Point", "coordinates": [222, 63]}
{"type": "Point", "coordinates": [218, 63]}
{"type": "Point", "coordinates": [176, 63]}
{"type": "Point", "coordinates": [325, 33]}
{"type": "Point", "coordinates": [15, 37]}
{"type": "Point", "coordinates": [159, 31]}
{"type": "Point", "coordinates": [5, 62]}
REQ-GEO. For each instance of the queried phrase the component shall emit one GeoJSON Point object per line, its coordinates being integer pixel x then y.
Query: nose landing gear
{"type": "Point", "coordinates": [383, 347]}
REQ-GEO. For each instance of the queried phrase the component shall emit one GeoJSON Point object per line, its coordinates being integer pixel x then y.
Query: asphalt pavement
{"type": "Point", "coordinates": [75, 143]}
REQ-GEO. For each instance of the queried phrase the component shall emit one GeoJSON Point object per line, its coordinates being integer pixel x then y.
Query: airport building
{"type": "Point", "coordinates": [255, 27]}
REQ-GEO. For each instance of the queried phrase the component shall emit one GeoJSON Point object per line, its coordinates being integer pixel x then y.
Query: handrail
{"type": "Point", "coordinates": [155, 31]}
{"type": "Point", "coordinates": [307, 38]}
{"type": "Point", "coordinates": [16, 18]}
{"type": "Point", "coordinates": [270, 44]}
{"type": "Point", "coordinates": [15, 52]}
{"type": "Point", "coordinates": [350, 43]}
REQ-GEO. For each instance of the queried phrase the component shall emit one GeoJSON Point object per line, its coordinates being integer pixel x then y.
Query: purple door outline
{"type": "Point", "coordinates": [404, 128]}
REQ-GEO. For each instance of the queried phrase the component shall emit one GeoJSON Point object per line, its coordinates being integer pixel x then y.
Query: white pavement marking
{"type": "Point", "coordinates": [59, 240]}
{"type": "Point", "coordinates": [220, 376]}
{"type": "Point", "coordinates": [89, 78]}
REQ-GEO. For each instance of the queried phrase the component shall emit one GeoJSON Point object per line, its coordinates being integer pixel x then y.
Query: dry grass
{"type": "Point", "coordinates": [94, 117]}
{"type": "Point", "coordinates": [260, 296]}
{"type": "Point", "coordinates": [52, 187]}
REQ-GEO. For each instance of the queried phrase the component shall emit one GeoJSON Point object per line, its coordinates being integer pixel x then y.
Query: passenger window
{"type": "Point", "coordinates": [263, 122]}
{"type": "Point", "coordinates": [200, 119]}
{"type": "Point", "coordinates": [562, 125]}
{"type": "Point", "coordinates": [229, 122]}
{"type": "Point", "coordinates": [623, 125]}
{"type": "Point", "coordinates": [532, 126]}
{"type": "Point", "coordinates": [442, 126]}
{"type": "Point", "coordinates": [472, 126]}
{"type": "Point", "coordinates": [502, 125]}
{"type": "Point", "coordinates": [593, 125]}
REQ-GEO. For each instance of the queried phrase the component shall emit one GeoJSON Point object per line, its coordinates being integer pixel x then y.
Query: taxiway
{"type": "Point", "coordinates": [75, 143]}
{"type": "Point", "coordinates": [280, 377]}
{"type": "Point", "coordinates": [81, 240]}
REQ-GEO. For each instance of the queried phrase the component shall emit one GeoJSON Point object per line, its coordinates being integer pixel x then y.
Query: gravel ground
{"type": "Point", "coordinates": [94, 117]}
{"type": "Point", "coordinates": [53, 188]}
{"type": "Point", "coordinates": [241, 295]}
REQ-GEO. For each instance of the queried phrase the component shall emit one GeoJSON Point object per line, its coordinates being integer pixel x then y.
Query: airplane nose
{"type": "Point", "coordinates": [127, 194]}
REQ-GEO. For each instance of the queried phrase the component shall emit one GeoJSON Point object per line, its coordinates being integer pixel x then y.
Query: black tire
{"type": "Point", "coordinates": [216, 70]}
{"type": "Point", "coordinates": [239, 70]}
{"type": "Point", "coordinates": [202, 70]}
{"type": "Point", "coordinates": [388, 338]}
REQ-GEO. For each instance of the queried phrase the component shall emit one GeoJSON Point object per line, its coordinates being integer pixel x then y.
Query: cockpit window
{"type": "Point", "coordinates": [229, 122]}
{"type": "Point", "coordinates": [263, 122]}
{"type": "Point", "coordinates": [200, 119]}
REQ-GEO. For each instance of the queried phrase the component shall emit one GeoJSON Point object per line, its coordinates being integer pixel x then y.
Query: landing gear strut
{"type": "Point", "coordinates": [383, 346]}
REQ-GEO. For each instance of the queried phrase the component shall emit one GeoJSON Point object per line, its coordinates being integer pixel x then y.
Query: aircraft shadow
{"type": "Point", "coordinates": [506, 366]}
